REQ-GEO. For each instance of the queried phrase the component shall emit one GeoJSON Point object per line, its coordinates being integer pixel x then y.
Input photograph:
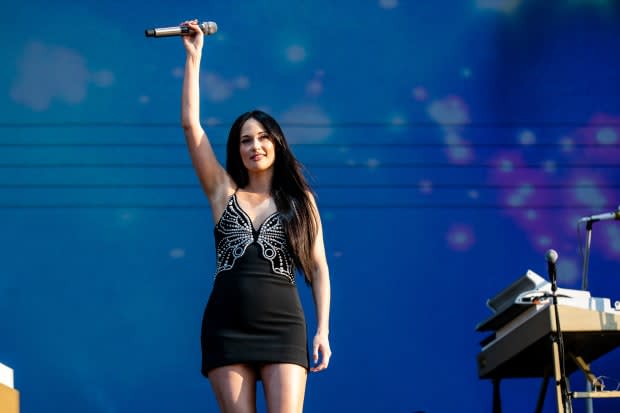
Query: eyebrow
{"type": "Point", "coordinates": [259, 134]}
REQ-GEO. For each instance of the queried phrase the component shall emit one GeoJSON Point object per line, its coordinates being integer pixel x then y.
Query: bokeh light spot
{"type": "Point", "coordinates": [506, 165]}
{"type": "Point", "coordinates": [505, 6]}
{"type": "Point", "coordinates": [587, 194]}
{"type": "Point", "coordinates": [296, 53]}
{"type": "Point", "coordinates": [419, 93]}
{"type": "Point", "coordinates": [567, 144]}
{"type": "Point", "coordinates": [177, 253]}
{"type": "Point", "coordinates": [544, 241]}
{"type": "Point", "coordinates": [606, 136]}
{"type": "Point", "coordinates": [373, 163]}
{"type": "Point", "coordinates": [388, 4]}
{"type": "Point", "coordinates": [527, 137]}
{"type": "Point", "coordinates": [460, 237]}
{"type": "Point", "coordinates": [549, 166]}
{"type": "Point", "coordinates": [568, 271]}
{"type": "Point", "coordinates": [426, 186]}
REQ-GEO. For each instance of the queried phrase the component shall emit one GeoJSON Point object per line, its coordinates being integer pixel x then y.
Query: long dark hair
{"type": "Point", "coordinates": [289, 188]}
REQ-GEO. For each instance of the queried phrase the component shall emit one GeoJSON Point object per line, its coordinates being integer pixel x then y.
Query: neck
{"type": "Point", "coordinates": [259, 182]}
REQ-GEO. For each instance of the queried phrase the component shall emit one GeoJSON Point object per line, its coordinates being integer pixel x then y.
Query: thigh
{"type": "Point", "coordinates": [285, 386]}
{"type": "Point", "coordinates": [235, 388]}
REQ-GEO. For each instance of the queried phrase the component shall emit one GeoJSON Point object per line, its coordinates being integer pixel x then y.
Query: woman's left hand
{"type": "Point", "coordinates": [320, 346]}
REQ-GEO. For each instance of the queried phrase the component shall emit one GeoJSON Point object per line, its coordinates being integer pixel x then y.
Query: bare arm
{"type": "Point", "coordinates": [213, 177]}
{"type": "Point", "coordinates": [321, 292]}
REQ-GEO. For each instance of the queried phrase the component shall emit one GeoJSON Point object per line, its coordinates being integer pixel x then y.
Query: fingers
{"type": "Point", "coordinates": [193, 41]}
{"type": "Point", "coordinates": [188, 22]}
{"type": "Point", "coordinates": [325, 352]}
{"type": "Point", "coordinates": [193, 26]}
{"type": "Point", "coordinates": [322, 366]}
{"type": "Point", "coordinates": [315, 353]}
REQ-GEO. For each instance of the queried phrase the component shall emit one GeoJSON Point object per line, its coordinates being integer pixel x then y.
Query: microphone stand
{"type": "Point", "coordinates": [584, 287]}
{"type": "Point", "coordinates": [586, 256]}
{"type": "Point", "coordinates": [557, 342]}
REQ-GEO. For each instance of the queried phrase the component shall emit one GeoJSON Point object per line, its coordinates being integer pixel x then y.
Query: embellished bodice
{"type": "Point", "coordinates": [234, 232]}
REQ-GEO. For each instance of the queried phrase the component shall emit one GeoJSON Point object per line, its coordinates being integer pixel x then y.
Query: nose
{"type": "Point", "coordinates": [255, 144]}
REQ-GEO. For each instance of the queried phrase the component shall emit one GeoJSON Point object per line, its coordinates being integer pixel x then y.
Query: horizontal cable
{"type": "Point", "coordinates": [310, 125]}
{"type": "Point", "coordinates": [325, 206]}
{"type": "Point", "coordinates": [407, 165]}
{"type": "Point", "coordinates": [316, 186]}
{"type": "Point", "coordinates": [442, 145]}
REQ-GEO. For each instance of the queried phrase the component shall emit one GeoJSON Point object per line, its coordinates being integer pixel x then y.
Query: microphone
{"type": "Point", "coordinates": [552, 257]}
{"type": "Point", "coordinates": [602, 217]}
{"type": "Point", "coordinates": [207, 28]}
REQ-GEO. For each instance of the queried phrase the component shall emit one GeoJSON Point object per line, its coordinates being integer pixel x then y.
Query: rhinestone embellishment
{"type": "Point", "coordinates": [234, 232]}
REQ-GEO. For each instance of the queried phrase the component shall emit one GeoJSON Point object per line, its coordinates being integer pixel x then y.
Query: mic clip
{"type": "Point", "coordinates": [535, 297]}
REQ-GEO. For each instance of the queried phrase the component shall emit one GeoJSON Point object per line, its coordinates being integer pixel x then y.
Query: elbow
{"type": "Point", "coordinates": [189, 119]}
{"type": "Point", "coordinates": [186, 122]}
{"type": "Point", "coordinates": [320, 274]}
{"type": "Point", "coordinates": [189, 125]}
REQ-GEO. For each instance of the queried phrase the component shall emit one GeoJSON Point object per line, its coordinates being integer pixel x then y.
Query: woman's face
{"type": "Point", "coordinates": [256, 147]}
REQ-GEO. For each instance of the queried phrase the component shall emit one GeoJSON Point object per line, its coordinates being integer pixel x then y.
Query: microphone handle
{"type": "Point", "coordinates": [207, 28]}
{"type": "Point", "coordinates": [167, 31]}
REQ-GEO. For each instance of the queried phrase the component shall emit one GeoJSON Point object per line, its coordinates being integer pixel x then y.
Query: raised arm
{"type": "Point", "coordinates": [321, 292]}
{"type": "Point", "coordinates": [216, 183]}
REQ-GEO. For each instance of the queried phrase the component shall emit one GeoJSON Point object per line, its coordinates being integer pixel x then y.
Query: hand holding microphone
{"type": "Point", "coordinates": [185, 29]}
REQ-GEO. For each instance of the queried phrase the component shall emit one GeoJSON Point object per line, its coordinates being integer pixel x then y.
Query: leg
{"type": "Point", "coordinates": [235, 388]}
{"type": "Point", "coordinates": [285, 386]}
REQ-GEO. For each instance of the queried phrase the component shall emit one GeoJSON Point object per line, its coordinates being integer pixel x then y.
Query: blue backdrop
{"type": "Point", "coordinates": [450, 144]}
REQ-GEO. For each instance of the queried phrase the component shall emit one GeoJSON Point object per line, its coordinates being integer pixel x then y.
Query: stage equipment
{"type": "Point", "coordinates": [526, 339]}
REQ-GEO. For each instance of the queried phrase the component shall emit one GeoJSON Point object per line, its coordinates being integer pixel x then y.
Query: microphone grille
{"type": "Point", "coordinates": [551, 256]}
{"type": "Point", "coordinates": [209, 27]}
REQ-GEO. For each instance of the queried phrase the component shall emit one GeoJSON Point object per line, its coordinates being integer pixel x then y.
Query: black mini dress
{"type": "Point", "coordinates": [254, 314]}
